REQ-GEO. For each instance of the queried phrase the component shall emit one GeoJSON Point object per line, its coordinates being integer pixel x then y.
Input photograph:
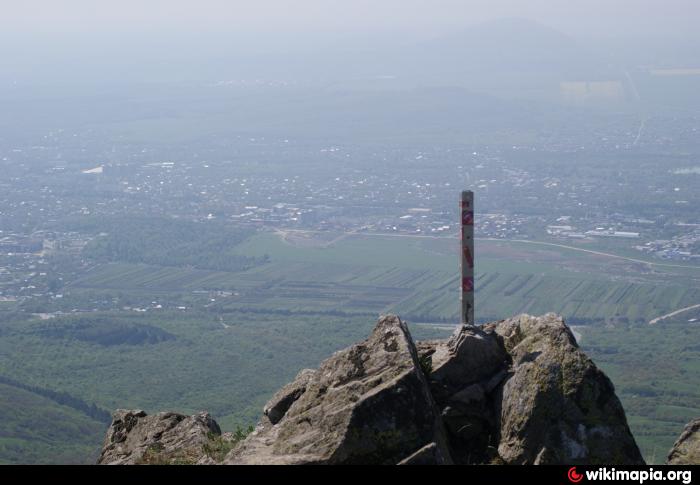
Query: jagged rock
{"type": "Point", "coordinates": [461, 369]}
{"type": "Point", "coordinates": [366, 404]}
{"type": "Point", "coordinates": [518, 391]}
{"type": "Point", "coordinates": [469, 356]}
{"type": "Point", "coordinates": [136, 438]}
{"type": "Point", "coordinates": [557, 407]}
{"type": "Point", "coordinates": [276, 407]}
{"type": "Point", "coordinates": [686, 450]}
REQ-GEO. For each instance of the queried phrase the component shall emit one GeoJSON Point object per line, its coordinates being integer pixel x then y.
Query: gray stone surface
{"type": "Point", "coordinates": [686, 449]}
{"type": "Point", "coordinates": [137, 438]}
{"type": "Point", "coordinates": [277, 407]}
{"type": "Point", "coordinates": [557, 407]}
{"type": "Point", "coordinates": [369, 403]}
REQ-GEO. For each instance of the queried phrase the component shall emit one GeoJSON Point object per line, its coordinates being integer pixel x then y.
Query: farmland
{"type": "Point", "coordinates": [412, 277]}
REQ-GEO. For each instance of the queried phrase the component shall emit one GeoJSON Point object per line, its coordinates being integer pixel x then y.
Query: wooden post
{"type": "Point", "coordinates": [466, 207]}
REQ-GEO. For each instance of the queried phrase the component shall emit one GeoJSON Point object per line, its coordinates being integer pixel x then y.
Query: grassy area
{"type": "Point", "coordinates": [35, 429]}
{"type": "Point", "coordinates": [508, 281]}
{"type": "Point", "coordinates": [656, 372]}
{"type": "Point", "coordinates": [228, 366]}
{"type": "Point", "coordinates": [414, 277]}
{"type": "Point", "coordinates": [353, 250]}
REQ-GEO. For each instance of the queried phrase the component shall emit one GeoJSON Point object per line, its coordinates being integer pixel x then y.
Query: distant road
{"type": "Point", "coordinates": [673, 314]}
{"type": "Point", "coordinates": [640, 131]}
{"type": "Point", "coordinates": [638, 98]}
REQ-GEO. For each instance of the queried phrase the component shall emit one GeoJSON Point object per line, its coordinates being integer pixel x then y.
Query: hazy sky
{"type": "Point", "coordinates": [606, 17]}
{"type": "Point", "coordinates": [49, 40]}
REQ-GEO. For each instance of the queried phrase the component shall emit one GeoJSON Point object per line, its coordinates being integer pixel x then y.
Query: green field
{"type": "Point", "coordinates": [412, 277]}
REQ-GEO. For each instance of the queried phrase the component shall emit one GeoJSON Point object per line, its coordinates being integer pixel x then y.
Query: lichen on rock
{"type": "Point", "coordinates": [135, 438]}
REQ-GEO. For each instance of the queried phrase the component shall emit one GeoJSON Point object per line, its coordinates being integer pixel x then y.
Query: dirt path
{"type": "Point", "coordinates": [673, 314]}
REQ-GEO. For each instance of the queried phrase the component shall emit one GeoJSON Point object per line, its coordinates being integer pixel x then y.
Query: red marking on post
{"type": "Point", "coordinates": [468, 257]}
{"type": "Point", "coordinates": [468, 218]}
{"type": "Point", "coordinates": [467, 284]}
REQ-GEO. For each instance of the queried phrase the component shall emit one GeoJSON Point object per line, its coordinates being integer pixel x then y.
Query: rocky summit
{"type": "Point", "coordinates": [518, 391]}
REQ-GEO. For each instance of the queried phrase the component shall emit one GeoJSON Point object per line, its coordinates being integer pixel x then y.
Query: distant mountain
{"type": "Point", "coordinates": [506, 57]}
{"type": "Point", "coordinates": [519, 45]}
{"type": "Point", "coordinates": [508, 45]}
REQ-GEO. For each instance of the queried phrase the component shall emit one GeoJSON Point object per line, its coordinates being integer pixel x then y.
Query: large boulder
{"type": "Point", "coordinates": [469, 356]}
{"type": "Point", "coordinates": [463, 371]}
{"type": "Point", "coordinates": [556, 406]}
{"type": "Point", "coordinates": [520, 391]}
{"type": "Point", "coordinates": [686, 450]}
{"type": "Point", "coordinates": [136, 438]}
{"type": "Point", "coordinates": [367, 404]}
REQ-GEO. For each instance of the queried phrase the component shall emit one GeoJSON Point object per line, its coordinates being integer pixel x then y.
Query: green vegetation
{"type": "Point", "coordinates": [171, 242]}
{"type": "Point", "coordinates": [104, 331]}
{"type": "Point", "coordinates": [409, 276]}
{"type": "Point", "coordinates": [219, 446]}
{"type": "Point", "coordinates": [36, 429]}
{"type": "Point", "coordinates": [228, 366]}
{"type": "Point", "coordinates": [414, 277]}
{"type": "Point", "coordinates": [154, 455]}
{"type": "Point", "coordinates": [403, 252]}
{"type": "Point", "coordinates": [62, 398]}
{"type": "Point", "coordinates": [656, 372]}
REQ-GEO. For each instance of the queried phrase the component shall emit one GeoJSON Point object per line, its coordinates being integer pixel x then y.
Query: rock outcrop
{"type": "Point", "coordinates": [518, 391]}
{"type": "Point", "coordinates": [686, 449]}
{"type": "Point", "coordinates": [557, 406]}
{"type": "Point", "coordinates": [369, 404]}
{"type": "Point", "coordinates": [136, 438]}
